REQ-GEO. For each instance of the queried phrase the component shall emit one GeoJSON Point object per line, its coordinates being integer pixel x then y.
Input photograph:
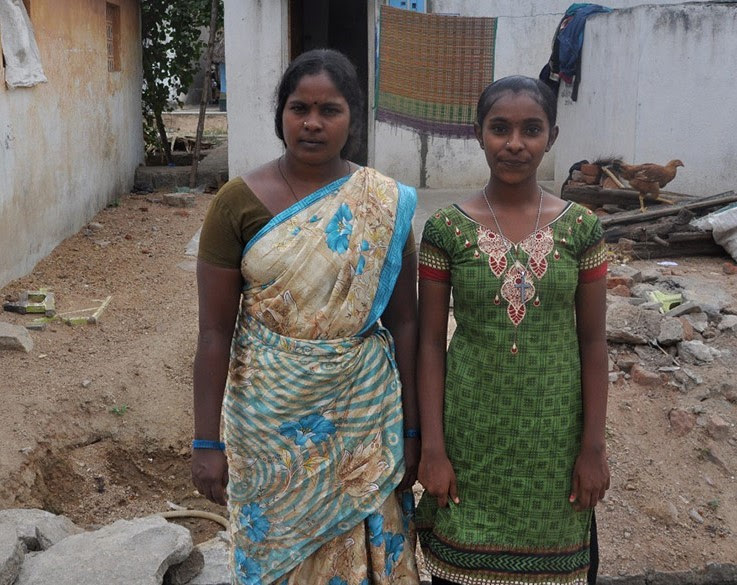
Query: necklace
{"type": "Point", "coordinates": [283, 176]}
{"type": "Point", "coordinates": [496, 221]}
{"type": "Point", "coordinates": [516, 276]}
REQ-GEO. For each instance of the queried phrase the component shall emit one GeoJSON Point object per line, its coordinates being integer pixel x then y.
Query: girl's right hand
{"type": "Point", "coordinates": [437, 476]}
{"type": "Point", "coordinates": [210, 474]}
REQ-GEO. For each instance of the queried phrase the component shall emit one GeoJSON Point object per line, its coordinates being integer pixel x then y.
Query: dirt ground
{"type": "Point", "coordinates": [97, 419]}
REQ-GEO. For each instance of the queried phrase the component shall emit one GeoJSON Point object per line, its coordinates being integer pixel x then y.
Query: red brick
{"type": "Point", "coordinates": [681, 422]}
{"type": "Point", "coordinates": [613, 281]}
{"type": "Point", "coordinates": [729, 268]}
{"type": "Point", "coordinates": [645, 377]}
{"type": "Point", "coordinates": [620, 291]}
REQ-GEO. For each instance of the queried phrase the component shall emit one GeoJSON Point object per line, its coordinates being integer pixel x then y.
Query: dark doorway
{"type": "Point", "coordinates": [334, 24]}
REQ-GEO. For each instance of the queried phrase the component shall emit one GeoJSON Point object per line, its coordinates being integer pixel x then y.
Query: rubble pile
{"type": "Point", "coordinates": [663, 230]}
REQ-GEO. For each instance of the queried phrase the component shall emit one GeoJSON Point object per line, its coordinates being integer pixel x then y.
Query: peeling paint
{"type": "Point", "coordinates": [75, 141]}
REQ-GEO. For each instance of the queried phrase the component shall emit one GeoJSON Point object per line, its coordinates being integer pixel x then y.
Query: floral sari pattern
{"type": "Point", "coordinates": [312, 415]}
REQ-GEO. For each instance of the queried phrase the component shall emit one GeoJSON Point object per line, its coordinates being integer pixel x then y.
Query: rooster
{"type": "Point", "coordinates": [647, 178]}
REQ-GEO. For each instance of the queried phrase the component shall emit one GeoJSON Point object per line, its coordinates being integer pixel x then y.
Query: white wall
{"type": "Point", "coordinates": [671, 92]}
{"type": "Point", "coordinates": [257, 55]}
{"type": "Point", "coordinates": [70, 146]}
{"type": "Point", "coordinates": [525, 31]}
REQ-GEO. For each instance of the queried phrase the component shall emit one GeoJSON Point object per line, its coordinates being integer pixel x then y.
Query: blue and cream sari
{"type": "Point", "coordinates": [312, 414]}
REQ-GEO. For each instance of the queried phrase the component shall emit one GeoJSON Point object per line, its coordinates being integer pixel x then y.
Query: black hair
{"type": "Point", "coordinates": [341, 72]}
{"type": "Point", "coordinates": [535, 88]}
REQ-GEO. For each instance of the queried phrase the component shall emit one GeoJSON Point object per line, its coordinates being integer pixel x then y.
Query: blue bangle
{"type": "Point", "coordinates": [411, 433]}
{"type": "Point", "coordinates": [205, 444]}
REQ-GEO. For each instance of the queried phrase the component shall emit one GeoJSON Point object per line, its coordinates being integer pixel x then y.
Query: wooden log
{"type": "Point", "coordinates": [700, 204]}
{"type": "Point", "coordinates": [624, 198]}
{"type": "Point", "coordinates": [690, 246]}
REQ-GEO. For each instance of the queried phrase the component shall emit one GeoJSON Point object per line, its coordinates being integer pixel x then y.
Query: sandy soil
{"type": "Point", "coordinates": [97, 419]}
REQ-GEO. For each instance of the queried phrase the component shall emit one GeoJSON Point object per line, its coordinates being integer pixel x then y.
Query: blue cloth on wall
{"type": "Point", "coordinates": [571, 37]}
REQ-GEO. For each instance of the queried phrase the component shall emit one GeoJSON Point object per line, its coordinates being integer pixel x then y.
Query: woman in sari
{"type": "Point", "coordinates": [304, 394]}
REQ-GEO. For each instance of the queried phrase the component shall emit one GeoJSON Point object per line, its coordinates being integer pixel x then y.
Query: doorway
{"type": "Point", "coordinates": [334, 24]}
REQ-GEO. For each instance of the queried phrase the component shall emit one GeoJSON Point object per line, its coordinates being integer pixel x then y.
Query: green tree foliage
{"type": "Point", "coordinates": [172, 45]}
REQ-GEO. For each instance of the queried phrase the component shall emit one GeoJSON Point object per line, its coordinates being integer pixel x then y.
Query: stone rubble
{"type": "Point", "coordinates": [40, 548]}
{"type": "Point", "coordinates": [655, 342]}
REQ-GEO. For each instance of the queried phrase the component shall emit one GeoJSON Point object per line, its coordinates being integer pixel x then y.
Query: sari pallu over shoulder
{"type": "Point", "coordinates": [312, 413]}
{"type": "Point", "coordinates": [325, 267]}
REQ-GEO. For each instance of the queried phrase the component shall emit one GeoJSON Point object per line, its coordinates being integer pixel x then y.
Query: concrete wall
{"type": "Point", "coordinates": [70, 146]}
{"type": "Point", "coordinates": [524, 36]}
{"type": "Point", "coordinates": [256, 57]}
{"type": "Point", "coordinates": [669, 93]}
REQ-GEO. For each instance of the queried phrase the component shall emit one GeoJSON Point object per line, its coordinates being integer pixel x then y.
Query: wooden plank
{"type": "Point", "coordinates": [626, 198]}
{"type": "Point", "coordinates": [718, 200]}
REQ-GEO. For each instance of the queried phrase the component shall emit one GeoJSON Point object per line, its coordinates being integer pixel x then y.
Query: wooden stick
{"type": "Point", "coordinates": [96, 315]}
{"type": "Point", "coordinates": [613, 177]}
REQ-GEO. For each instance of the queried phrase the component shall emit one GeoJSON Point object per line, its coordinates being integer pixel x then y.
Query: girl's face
{"type": "Point", "coordinates": [316, 120]}
{"type": "Point", "coordinates": [515, 135]}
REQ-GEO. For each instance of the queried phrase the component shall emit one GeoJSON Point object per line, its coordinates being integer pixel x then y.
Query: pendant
{"type": "Point", "coordinates": [514, 348]}
{"type": "Point", "coordinates": [497, 300]}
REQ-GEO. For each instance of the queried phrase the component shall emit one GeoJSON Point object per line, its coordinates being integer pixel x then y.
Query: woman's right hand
{"type": "Point", "coordinates": [437, 476]}
{"type": "Point", "coordinates": [210, 474]}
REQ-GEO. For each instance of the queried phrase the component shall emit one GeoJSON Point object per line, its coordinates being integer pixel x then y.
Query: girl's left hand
{"type": "Point", "coordinates": [590, 478]}
{"type": "Point", "coordinates": [411, 463]}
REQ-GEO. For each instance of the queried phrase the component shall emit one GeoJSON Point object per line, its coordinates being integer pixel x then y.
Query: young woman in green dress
{"type": "Point", "coordinates": [513, 412]}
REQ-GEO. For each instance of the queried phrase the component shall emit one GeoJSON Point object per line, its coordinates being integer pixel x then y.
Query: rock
{"type": "Point", "coordinates": [39, 529]}
{"type": "Point", "coordinates": [696, 352]}
{"type": "Point", "coordinates": [728, 323]}
{"type": "Point", "coordinates": [650, 275]}
{"type": "Point", "coordinates": [620, 291]}
{"type": "Point", "coordinates": [94, 226]}
{"type": "Point", "coordinates": [631, 324]}
{"type": "Point", "coordinates": [642, 290]}
{"type": "Point", "coordinates": [717, 428]}
{"type": "Point", "coordinates": [699, 321]}
{"type": "Point", "coordinates": [695, 516]}
{"type": "Point", "coordinates": [666, 512]}
{"type": "Point", "coordinates": [183, 573]}
{"type": "Point", "coordinates": [709, 297]}
{"type": "Point", "coordinates": [15, 338]}
{"type": "Point", "coordinates": [626, 360]}
{"type": "Point", "coordinates": [11, 553]}
{"type": "Point", "coordinates": [671, 331]}
{"type": "Point", "coordinates": [625, 271]}
{"type": "Point", "coordinates": [688, 330]}
{"type": "Point", "coordinates": [681, 422]}
{"type": "Point", "coordinates": [138, 551]}
{"type": "Point", "coordinates": [179, 199]}
{"type": "Point", "coordinates": [615, 281]}
{"type": "Point", "coordinates": [713, 454]}
{"type": "Point", "coordinates": [645, 377]}
{"type": "Point", "coordinates": [729, 268]}
{"type": "Point", "coordinates": [684, 309]}
{"type": "Point", "coordinates": [216, 570]}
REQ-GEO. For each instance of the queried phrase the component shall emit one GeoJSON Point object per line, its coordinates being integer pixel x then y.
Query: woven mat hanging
{"type": "Point", "coordinates": [432, 69]}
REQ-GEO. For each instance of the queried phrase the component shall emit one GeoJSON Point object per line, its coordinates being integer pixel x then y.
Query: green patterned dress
{"type": "Point", "coordinates": [513, 411]}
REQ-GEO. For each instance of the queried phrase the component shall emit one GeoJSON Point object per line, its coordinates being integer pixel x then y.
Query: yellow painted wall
{"type": "Point", "coordinates": [70, 146]}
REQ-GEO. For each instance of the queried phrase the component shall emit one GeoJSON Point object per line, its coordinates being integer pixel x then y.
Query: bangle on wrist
{"type": "Point", "coordinates": [412, 433]}
{"type": "Point", "coordinates": [205, 444]}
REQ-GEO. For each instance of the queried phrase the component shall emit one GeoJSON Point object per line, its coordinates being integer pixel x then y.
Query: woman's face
{"type": "Point", "coordinates": [316, 120]}
{"type": "Point", "coordinates": [515, 135]}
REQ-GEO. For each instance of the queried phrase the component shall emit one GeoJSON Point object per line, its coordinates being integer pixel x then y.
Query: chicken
{"type": "Point", "coordinates": [647, 178]}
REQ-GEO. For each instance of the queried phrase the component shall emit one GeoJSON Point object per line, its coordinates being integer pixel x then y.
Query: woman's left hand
{"type": "Point", "coordinates": [590, 478]}
{"type": "Point", "coordinates": [411, 463]}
